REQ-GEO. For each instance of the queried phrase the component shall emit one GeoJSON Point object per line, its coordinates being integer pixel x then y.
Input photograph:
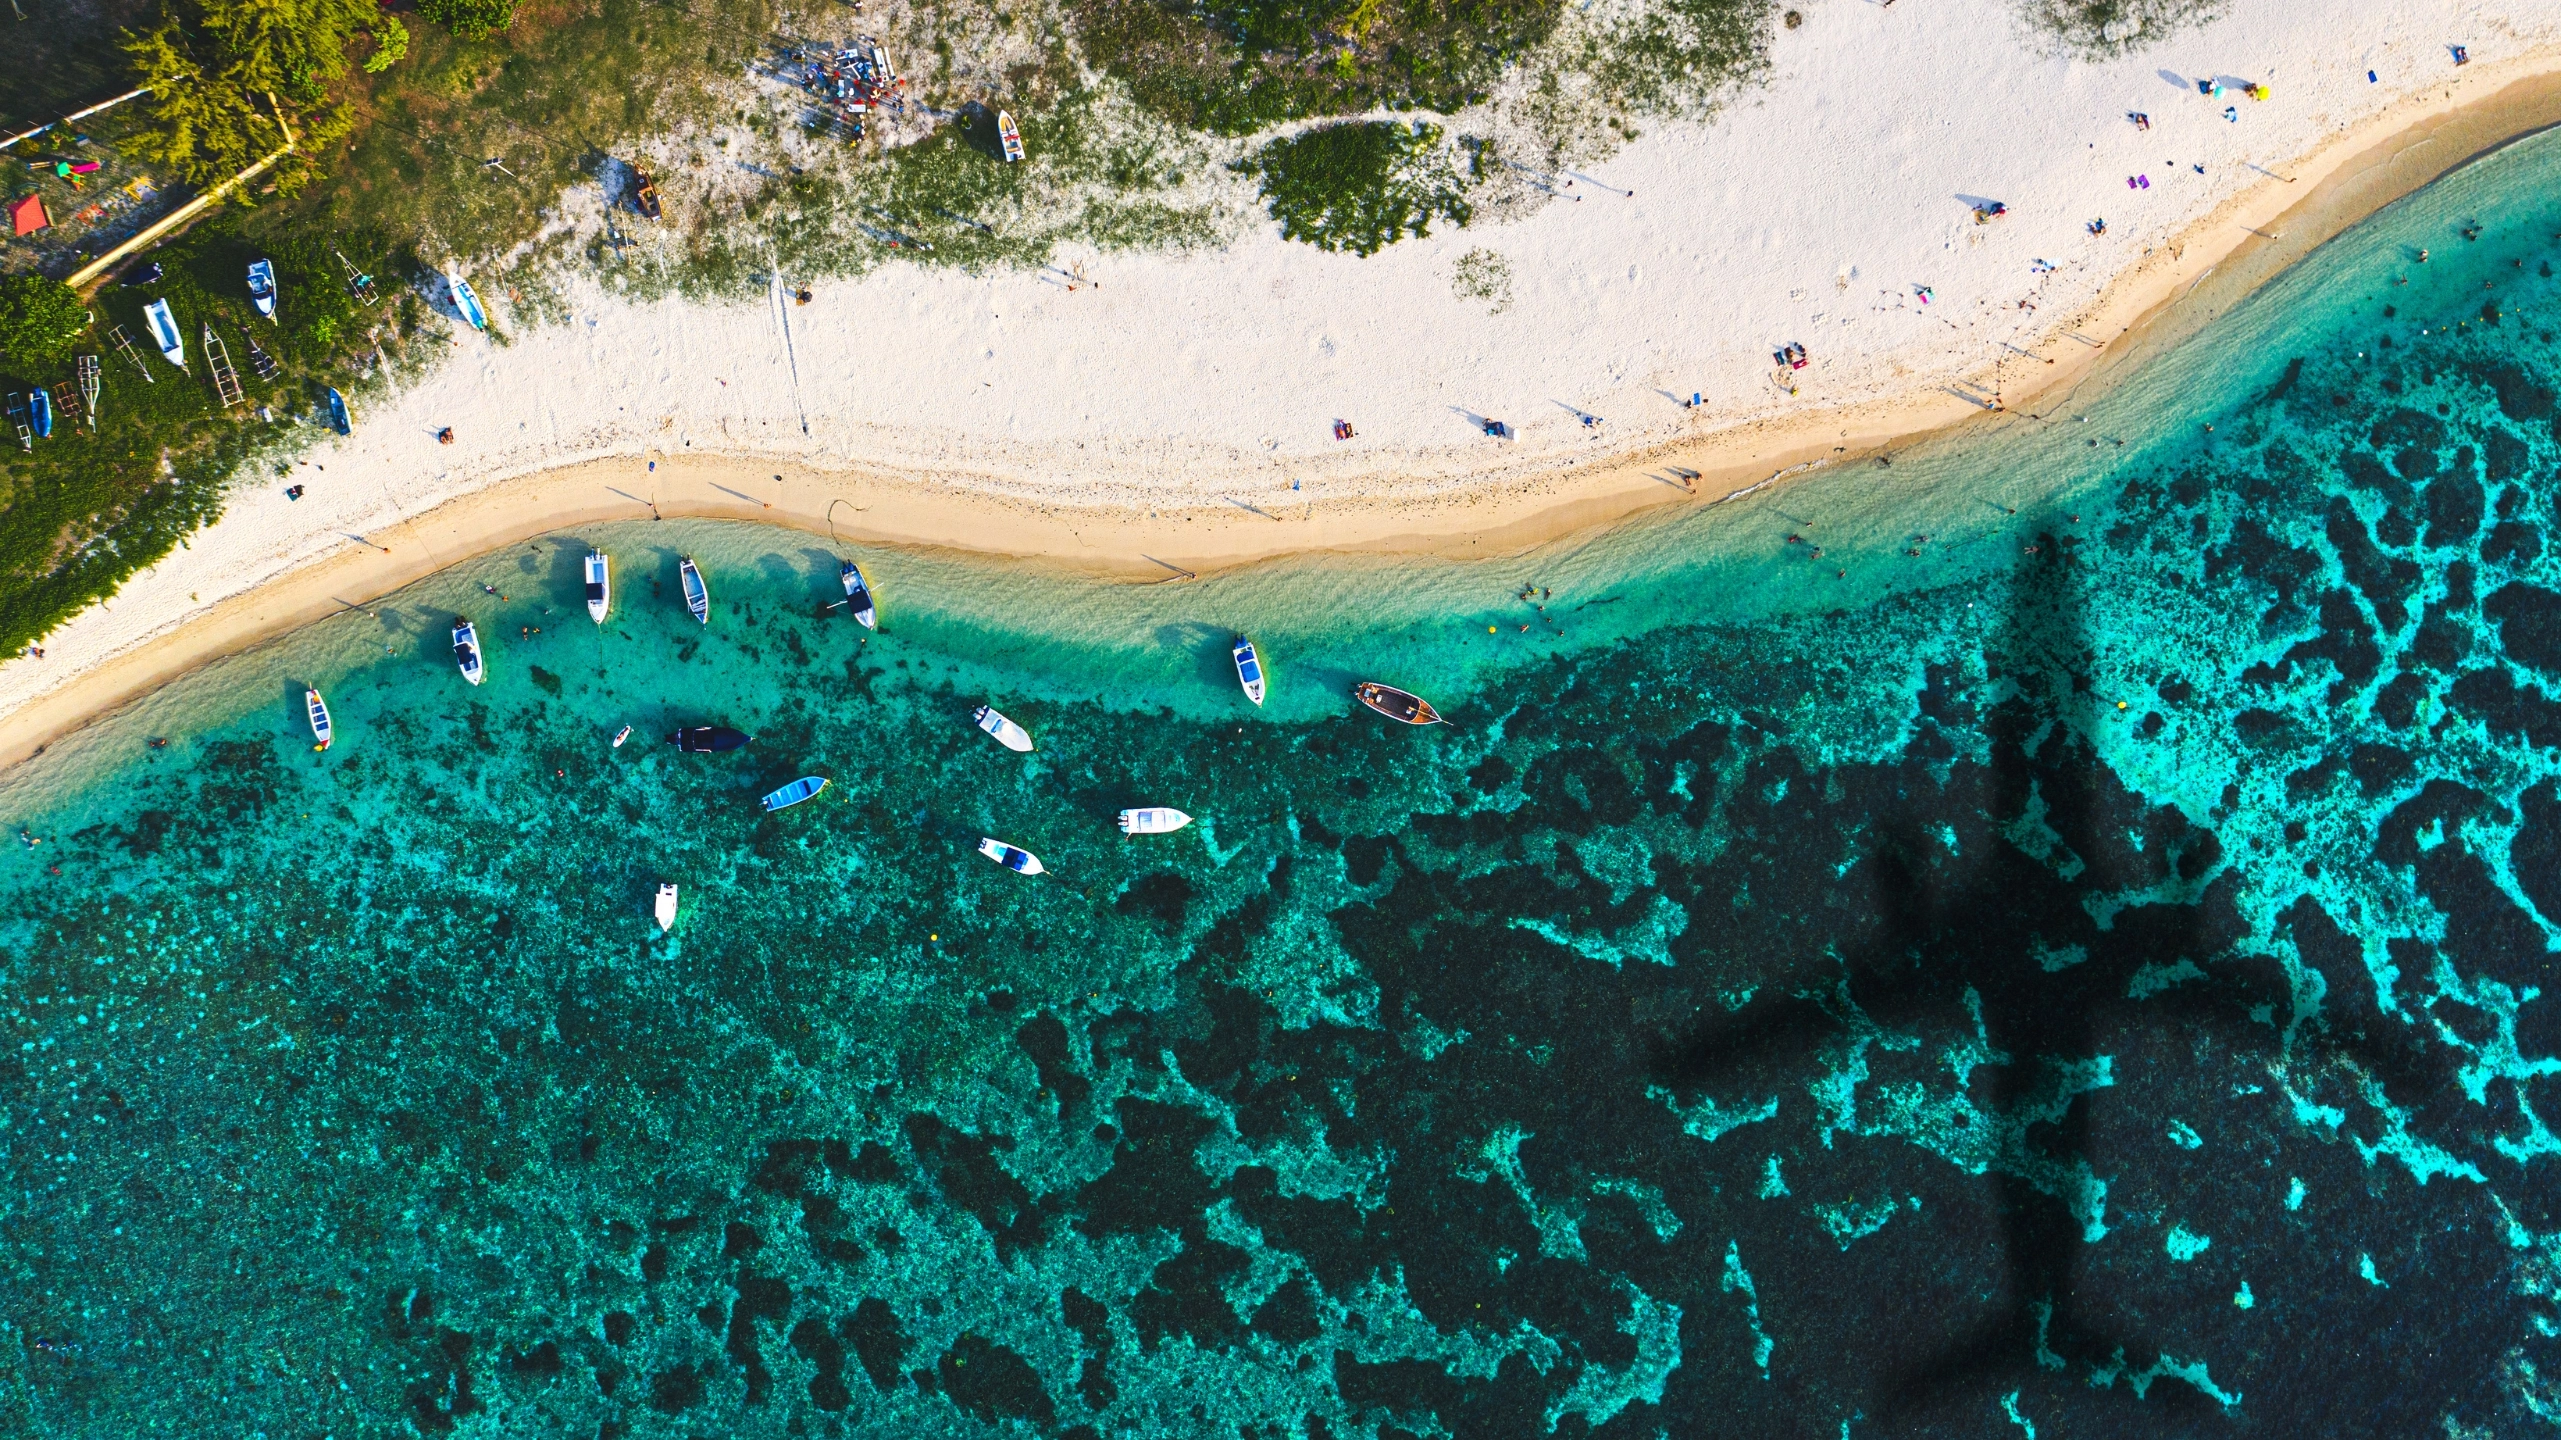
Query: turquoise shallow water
{"type": "Point", "coordinates": [2071, 957]}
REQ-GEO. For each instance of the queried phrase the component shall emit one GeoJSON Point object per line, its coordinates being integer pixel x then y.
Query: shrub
{"type": "Point", "coordinates": [1360, 187]}
{"type": "Point", "coordinates": [40, 320]}
{"type": "Point", "coordinates": [470, 19]}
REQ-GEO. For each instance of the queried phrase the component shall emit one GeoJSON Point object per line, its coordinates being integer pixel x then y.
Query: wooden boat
{"type": "Point", "coordinates": [466, 299]}
{"type": "Point", "coordinates": [1396, 704]}
{"type": "Point", "coordinates": [1157, 820]}
{"type": "Point", "coordinates": [666, 908]}
{"type": "Point", "coordinates": [40, 413]}
{"type": "Point", "coordinates": [339, 420]}
{"type": "Point", "coordinates": [164, 330]}
{"type": "Point", "coordinates": [319, 710]}
{"type": "Point", "coordinates": [1249, 669]}
{"type": "Point", "coordinates": [795, 792]}
{"type": "Point", "coordinates": [708, 740]}
{"type": "Point", "coordinates": [467, 650]}
{"type": "Point", "coordinates": [1007, 733]}
{"type": "Point", "coordinates": [1009, 137]}
{"type": "Point", "coordinates": [697, 594]}
{"type": "Point", "coordinates": [644, 193]}
{"type": "Point", "coordinates": [858, 596]}
{"type": "Point", "coordinates": [600, 585]}
{"type": "Point", "coordinates": [1012, 857]}
{"type": "Point", "coordinates": [262, 288]}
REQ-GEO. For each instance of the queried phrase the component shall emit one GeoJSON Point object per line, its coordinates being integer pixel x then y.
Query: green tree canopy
{"type": "Point", "coordinates": [40, 321]}
{"type": "Point", "coordinates": [470, 19]}
{"type": "Point", "coordinates": [213, 64]}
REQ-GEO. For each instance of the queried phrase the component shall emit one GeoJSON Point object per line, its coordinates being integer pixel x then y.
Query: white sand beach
{"type": "Point", "coordinates": [1185, 406]}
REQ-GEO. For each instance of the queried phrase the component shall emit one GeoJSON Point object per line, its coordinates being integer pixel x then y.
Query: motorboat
{"type": "Point", "coordinates": [467, 650]}
{"type": "Point", "coordinates": [1396, 704]}
{"type": "Point", "coordinates": [708, 740]}
{"type": "Point", "coordinates": [795, 792]}
{"type": "Point", "coordinates": [666, 907]}
{"type": "Point", "coordinates": [1012, 857]}
{"type": "Point", "coordinates": [262, 287]}
{"type": "Point", "coordinates": [318, 709]}
{"type": "Point", "coordinates": [1007, 733]}
{"type": "Point", "coordinates": [1249, 669]}
{"type": "Point", "coordinates": [164, 332]}
{"type": "Point", "coordinates": [600, 585]}
{"type": "Point", "coordinates": [697, 594]}
{"type": "Point", "coordinates": [858, 596]}
{"type": "Point", "coordinates": [1009, 137]}
{"type": "Point", "coordinates": [1155, 820]}
{"type": "Point", "coordinates": [339, 419]}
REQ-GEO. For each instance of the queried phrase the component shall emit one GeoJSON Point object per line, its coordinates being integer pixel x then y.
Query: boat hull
{"type": "Point", "coordinates": [467, 652]}
{"type": "Point", "coordinates": [1012, 857]}
{"type": "Point", "coordinates": [697, 594]}
{"type": "Point", "coordinates": [339, 420]}
{"type": "Point", "coordinates": [164, 332]}
{"type": "Point", "coordinates": [795, 792]}
{"type": "Point", "coordinates": [858, 596]}
{"type": "Point", "coordinates": [1154, 820]}
{"type": "Point", "coordinates": [1249, 669]}
{"type": "Point", "coordinates": [708, 740]}
{"type": "Point", "coordinates": [466, 299]}
{"type": "Point", "coordinates": [600, 585]}
{"type": "Point", "coordinates": [1397, 705]}
{"type": "Point", "coordinates": [1008, 734]}
{"type": "Point", "coordinates": [318, 712]}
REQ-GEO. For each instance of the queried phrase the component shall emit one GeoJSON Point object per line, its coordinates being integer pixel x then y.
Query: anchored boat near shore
{"type": "Point", "coordinates": [600, 585]}
{"type": "Point", "coordinates": [319, 712]}
{"type": "Point", "coordinates": [467, 650]}
{"type": "Point", "coordinates": [1007, 733]}
{"type": "Point", "coordinates": [708, 740]}
{"type": "Point", "coordinates": [858, 595]}
{"type": "Point", "coordinates": [1397, 705]}
{"type": "Point", "coordinates": [697, 594]}
{"type": "Point", "coordinates": [1249, 669]}
{"type": "Point", "coordinates": [1154, 820]}
{"type": "Point", "coordinates": [795, 792]}
{"type": "Point", "coordinates": [1012, 857]}
{"type": "Point", "coordinates": [666, 907]}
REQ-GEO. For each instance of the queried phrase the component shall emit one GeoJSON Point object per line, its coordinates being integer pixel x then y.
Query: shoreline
{"type": "Point", "coordinates": [2176, 288]}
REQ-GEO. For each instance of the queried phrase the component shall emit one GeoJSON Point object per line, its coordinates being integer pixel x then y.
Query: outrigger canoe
{"type": "Point", "coordinates": [1007, 733]}
{"type": "Point", "coordinates": [795, 792]}
{"type": "Point", "coordinates": [858, 596]}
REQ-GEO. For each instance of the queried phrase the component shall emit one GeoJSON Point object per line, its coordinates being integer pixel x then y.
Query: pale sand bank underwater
{"type": "Point", "coordinates": [1177, 419]}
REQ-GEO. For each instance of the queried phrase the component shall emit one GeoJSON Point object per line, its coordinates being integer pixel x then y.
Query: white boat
{"type": "Point", "coordinates": [600, 585]}
{"type": "Point", "coordinates": [858, 595]}
{"type": "Point", "coordinates": [465, 299]}
{"type": "Point", "coordinates": [1154, 820]}
{"type": "Point", "coordinates": [467, 650]}
{"type": "Point", "coordinates": [262, 287]}
{"type": "Point", "coordinates": [666, 907]}
{"type": "Point", "coordinates": [319, 711]}
{"type": "Point", "coordinates": [1007, 733]}
{"type": "Point", "coordinates": [621, 735]}
{"type": "Point", "coordinates": [697, 594]}
{"type": "Point", "coordinates": [1012, 857]}
{"type": "Point", "coordinates": [1249, 669]}
{"type": "Point", "coordinates": [1009, 137]}
{"type": "Point", "coordinates": [164, 329]}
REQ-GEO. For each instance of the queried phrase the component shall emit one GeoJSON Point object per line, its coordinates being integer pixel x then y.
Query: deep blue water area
{"type": "Point", "coordinates": [2072, 959]}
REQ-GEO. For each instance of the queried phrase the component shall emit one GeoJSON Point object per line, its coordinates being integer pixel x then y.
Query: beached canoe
{"type": "Point", "coordinates": [1007, 733]}
{"type": "Point", "coordinates": [1396, 704]}
{"type": "Point", "coordinates": [1012, 857]}
{"type": "Point", "coordinates": [466, 299]}
{"type": "Point", "coordinates": [1154, 820]}
{"type": "Point", "coordinates": [795, 792]}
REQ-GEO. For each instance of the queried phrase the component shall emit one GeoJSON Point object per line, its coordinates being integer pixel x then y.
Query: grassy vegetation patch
{"type": "Point", "coordinates": [2101, 28]}
{"type": "Point", "coordinates": [1484, 276]}
{"type": "Point", "coordinates": [1361, 187]}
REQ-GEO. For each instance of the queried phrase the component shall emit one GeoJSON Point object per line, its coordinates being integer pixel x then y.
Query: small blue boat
{"type": "Point", "coordinates": [338, 419]}
{"type": "Point", "coordinates": [795, 792]}
{"type": "Point", "coordinates": [1249, 669]}
{"type": "Point", "coordinates": [40, 413]}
